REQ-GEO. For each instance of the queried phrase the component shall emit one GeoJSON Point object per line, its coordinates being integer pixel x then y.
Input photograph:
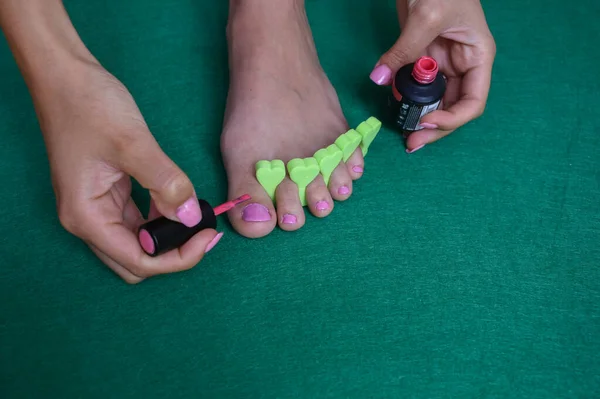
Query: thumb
{"type": "Point", "coordinates": [420, 31]}
{"type": "Point", "coordinates": [171, 190]}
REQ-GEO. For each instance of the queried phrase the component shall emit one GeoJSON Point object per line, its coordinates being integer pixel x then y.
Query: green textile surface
{"type": "Point", "coordinates": [469, 269]}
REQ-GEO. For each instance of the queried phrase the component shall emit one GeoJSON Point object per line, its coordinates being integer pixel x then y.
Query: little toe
{"type": "Point", "coordinates": [318, 199]}
{"type": "Point", "coordinates": [255, 218]}
{"type": "Point", "coordinates": [356, 164]}
{"type": "Point", "coordinates": [340, 183]}
{"type": "Point", "coordinates": [290, 213]}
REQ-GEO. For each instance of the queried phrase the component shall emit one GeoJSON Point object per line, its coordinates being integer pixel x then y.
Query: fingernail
{"type": "Point", "coordinates": [214, 242]}
{"type": "Point", "coordinates": [381, 75]}
{"type": "Point", "coordinates": [425, 125]}
{"type": "Point", "coordinates": [289, 219]}
{"type": "Point", "coordinates": [256, 213]}
{"type": "Point", "coordinates": [357, 169]}
{"type": "Point", "coordinates": [322, 206]}
{"type": "Point", "coordinates": [344, 190]}
{"type": "Point", "coordinates": [415, 149]}
{"type": "Point", "coordinates": [189, 213]}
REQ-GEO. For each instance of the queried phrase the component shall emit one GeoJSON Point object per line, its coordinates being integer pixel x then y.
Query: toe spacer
{"type": "Point", "coordinates": [270, 174]}
{"type": "Point", "coordinates": [368, 131]}
{"type": "Point", "coordinates": [303, 171]}
{"type": "Point", "coordinates": [328, 159]}
{"type": "Point", "coordinates": [348, 143]}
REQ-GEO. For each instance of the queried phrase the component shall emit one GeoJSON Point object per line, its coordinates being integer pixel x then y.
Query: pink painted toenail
{"type": "Point", "coordinates": [256, 213]}
{"type": "Point", "coordinates": [344, 190]}
{"type": "Point", "coordinates": [357, 169]}
{"type": "Point", "coordinates": [289, 219]}
{"type": "Point", "coordinates": [322, 206]}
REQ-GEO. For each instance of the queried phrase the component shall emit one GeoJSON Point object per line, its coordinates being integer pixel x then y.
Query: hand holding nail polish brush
{"type": "Point", "coordinates": [162, 235]}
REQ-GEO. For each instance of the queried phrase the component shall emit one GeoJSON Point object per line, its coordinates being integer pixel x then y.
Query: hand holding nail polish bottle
{"type": "Point", "coordinates": [417, 90]}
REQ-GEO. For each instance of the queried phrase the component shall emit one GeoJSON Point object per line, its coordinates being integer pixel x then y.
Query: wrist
{"type": "Point", "coordinates": [44, 43]}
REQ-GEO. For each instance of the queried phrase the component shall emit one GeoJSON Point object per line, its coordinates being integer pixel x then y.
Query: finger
{"type": "Point", "coordinates": [471, 103]}
{"type": "Point", "coordinates": [169, 186]}
{"type": "Point", "coordinates": [421, 138]}
{"type": "Point", "coordinates": [420, 30]}
{"type": "Point", "coordinates": [132, 217]}
{"type": "Point", "coordinates": [418, 139]}
{"type": "Point", "coordinates": [119, 270]}
{"type": "Point", "coordinates": [118, 242]}
{"type": "Point", "coordinates": [153, 213]}
{"type": "Point", "coordinates": [121, 245]}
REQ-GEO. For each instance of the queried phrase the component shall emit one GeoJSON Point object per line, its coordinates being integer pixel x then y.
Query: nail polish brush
{"type": "Point", "coordinates": [162, 235]}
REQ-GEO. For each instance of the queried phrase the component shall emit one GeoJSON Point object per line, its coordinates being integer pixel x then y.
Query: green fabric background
{"type": "Point", "coordinates": [469, 269]}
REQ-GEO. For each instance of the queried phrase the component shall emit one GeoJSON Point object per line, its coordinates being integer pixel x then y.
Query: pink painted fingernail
{"type": "Point", "coordinates": [415, 149]}
{"type": "Point", "coordinates": [289, 219]}
{"type": "Point", "coordinates": [344, 190]}
{"type": "Point", "coordinates": [357, 169]}
{"type": "Point", "coordinates": [256, 213]}
{"type": "Point", "coordinates": [189, 213]}
{"type": "Point", "coordinates": [425, 125]}
{"type": "Point", "coordinates": [214, 242]}
{"type": "Point", "coordinates": [381, 75]}
{"type": "Point", "coordinates": [322, 206]}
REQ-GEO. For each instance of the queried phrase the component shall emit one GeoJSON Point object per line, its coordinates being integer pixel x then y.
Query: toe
{"type": "Point", "coordinates": [355, 164]}
{"type": "Point", "coordinates": [290, 214]}
{"type": "Point", "coordinates": [340, 183]}
{"type": "Point", "coordinates": [257, 217]}
{"type": "Point", "coordinates": [318, 200]}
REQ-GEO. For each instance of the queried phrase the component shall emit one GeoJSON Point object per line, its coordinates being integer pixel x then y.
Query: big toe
{"type": "Point", "coordinates": [257, 217]}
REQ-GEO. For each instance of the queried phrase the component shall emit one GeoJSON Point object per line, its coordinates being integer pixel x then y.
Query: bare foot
{"type": "Point", "coordinates": [280, 106]}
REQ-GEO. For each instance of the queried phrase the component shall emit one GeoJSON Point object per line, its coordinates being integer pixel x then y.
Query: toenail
{"type": "Point", "coordinates": [357, 169]}
{"type": "Point", "coordinates": [322, 206]}
{"type": "Point", "coordinates": [289, 219]}
{"type": "Point", "coordinates": [256, 213]}
{"type": "Point", "coordinates": [344, 190]}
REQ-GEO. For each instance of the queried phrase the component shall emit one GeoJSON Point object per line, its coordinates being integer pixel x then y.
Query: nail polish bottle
{"type": "Point", "coordinates": [162, 235]}
{"type": "Point", "coordinates": [417, 90]}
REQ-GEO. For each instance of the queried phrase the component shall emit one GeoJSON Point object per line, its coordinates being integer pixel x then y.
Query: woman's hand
{"type": "Point", "coordinates": [456, 35]}
{"type": "Point", "coordinates": [97, 140]}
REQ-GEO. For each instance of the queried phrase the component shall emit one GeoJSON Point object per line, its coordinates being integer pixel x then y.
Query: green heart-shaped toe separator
{"type": "Point", "coordinates": [348, 143]}
{"type": "Point", "coordinates": [270, 174]}
{"type": "Point", "coordinates": [368, 131]}
{"type": "Point", "coordinates": [303, 172]}
{"type": "Point", "coordinates": [328, 159]}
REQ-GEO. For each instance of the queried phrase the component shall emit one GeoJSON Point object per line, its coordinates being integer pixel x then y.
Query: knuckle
{"type": "Point", "coordinates": [480, 110]}
{"type": "Point", "coordinates": [139, 271]}
{"type": "Point", "coordinates": [173, 183]}
{"type": "Point", "coordinates": [492, 48]}
{"type": "Point", "coordinates": [132, 280]}
{"type": "Point", "coordinates": [429, 16]}
{"type": "Point", "coordinates": [399, 56]}
{"type": "Point", "coordinates": [126, 142]}
{"type": "Point", "coordinates": [71, 217]}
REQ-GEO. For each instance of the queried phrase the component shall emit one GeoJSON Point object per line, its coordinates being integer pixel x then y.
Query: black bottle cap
{"type": "Point", "coordinates": [162, 235]}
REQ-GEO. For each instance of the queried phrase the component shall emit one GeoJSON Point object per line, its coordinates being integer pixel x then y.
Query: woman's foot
{"type": "Point", "coordinates": [280, 106]}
